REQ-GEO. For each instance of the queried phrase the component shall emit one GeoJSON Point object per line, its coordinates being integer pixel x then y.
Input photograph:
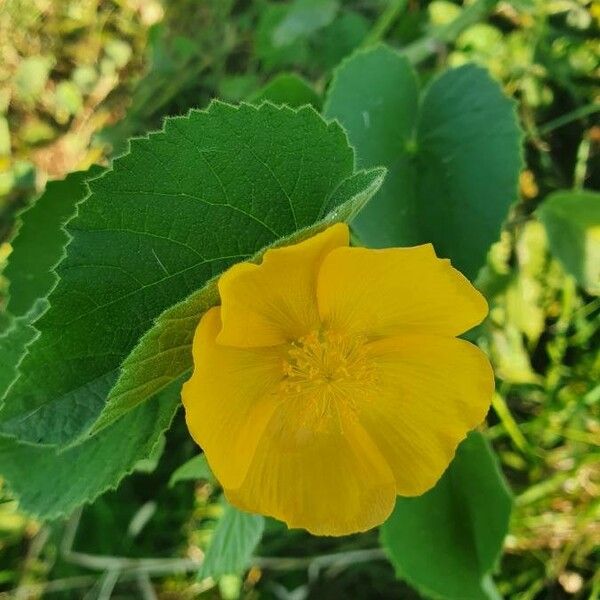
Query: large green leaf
{"type": "Point", "coordinates": [214, 188]}
{"type": "Point", "coordinates": [236, 536]}
{"type": "Point", "coordinates": [453, 153]}
{"type": "Point", "coordinates": [49, 484]}
{"type": "Point", "coordinates": [446, 542]}
{"type": "Point", "coordinates": [572, 222]}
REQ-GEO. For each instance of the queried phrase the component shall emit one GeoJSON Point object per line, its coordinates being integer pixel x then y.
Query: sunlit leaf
{"type": "Point", "coordinates": [572, 222]}
{"type": "Point", "coordinates": [235, 538]}
{"type": "Point", "coordinates": [49, 483]}
{"type": "Point", "coordinates": [452, 152]}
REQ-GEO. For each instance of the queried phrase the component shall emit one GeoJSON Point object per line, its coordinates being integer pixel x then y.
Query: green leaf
{"type": "Point", "coordinates": [38, 246]}
{"type": "Point", "coordinates": [194, 469]}
{"type": "Point", "coordinates": [164, 353]}
{"type": "Point", "coordinates": [290, 89]}
{"type": "Point", "coordinates": [214, 188]}
{"type": "Point", "coordinates": [446, 542]}
{"type": "Point", "coordinates": [374, 95]}
{"type": "Point", "coordinates": [339, 39]}
{"type": "Point", "coordinates": [453, 153]}
{"type": "Point", "coordinates": [274, 57]}
{"type": "Point", "coordinates": [304, 17]}
{"type": "Point", "coordinates": [13, 342]}
{"type": "Point", "coordinates": [50, 484]}
{"type": "Point", "coordinates": [572, 222]}
{"type": "Point", "coordinates": [40, 241]}
{"type": "Point", "coordinates": [235, 538]}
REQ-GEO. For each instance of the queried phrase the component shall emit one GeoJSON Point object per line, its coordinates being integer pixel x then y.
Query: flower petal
{"type": "Point", "coordinates": [321, 473]}
{"type": "Point", "coordinates": [431, 391]}
{"type": "Point", "coordinates": [275, 302]}
{"type": "Point", "coordinates": [229, 399]}
{"type": "Point", "coordinates": [396, 290]}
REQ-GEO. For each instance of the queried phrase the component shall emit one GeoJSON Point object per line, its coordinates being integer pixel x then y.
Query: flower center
{"type": "Point", "coordinates": [326, 358]}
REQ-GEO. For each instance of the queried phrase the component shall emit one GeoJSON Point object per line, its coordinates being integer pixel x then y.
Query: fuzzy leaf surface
{"type": "Point", "coordinates": [37, 247]}
{"type": "Point", "coordinates": [50, 484]}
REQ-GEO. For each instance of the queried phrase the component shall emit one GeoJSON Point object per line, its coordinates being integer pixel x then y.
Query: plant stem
{"type": "Point", "coordinates": [574, 115]}
{"type": "Point", "coordinates": [510, 425]}
{"type": "Point", "coordinates": [583, 155]}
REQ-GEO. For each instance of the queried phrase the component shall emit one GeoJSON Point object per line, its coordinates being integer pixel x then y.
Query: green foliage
{"type": "Point", "coordinates": [542, 337]}
{"type": "Point", "coordinates": [446, 542]}
{"type": "Point", "coordinates": [572, 222]}
{"type": "Point", "coordinates": [37, 247]}
{"type": "Point", "coordinates": [374, 94]}
{"type": "Point", "coordinates": [235, 538]}
{"type": "Point", "coordinates": [290, 89]}
{"type": "Point", "coordinates": [302, 18]}
{"type": "Point", "coordinates": [307, 35]}
{"type": "Point", "coordinates": [40, 242]}
{"type": "Point", "coordinates": [50, 483]}
{"type": "Point", "coordinates": [68, 69]}
{"type": "Point", "coordinates": [452, 154]}
{"type": "Point", "coordinates": [193, 470]}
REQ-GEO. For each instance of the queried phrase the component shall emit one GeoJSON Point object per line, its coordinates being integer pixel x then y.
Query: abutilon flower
{"type": "Point", "coordinates": [330, 380]}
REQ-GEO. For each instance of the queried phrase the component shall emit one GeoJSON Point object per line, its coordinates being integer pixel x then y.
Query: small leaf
{"type": "Point", "coordinates": [38, 245]}
{"type": "Point", "coordinates": [290, 89]}
{"type": "Point", "coordinates": [214, 188]}
{"type": "Point", "coordinates": [453, 154]}
{"type": "Point", "coordinates": [572, 222]}
{"type": "Point", "coordinates": [50, 484]}
{"type": "Point", "coordinates": [273, 57]}
{"type": "Point", "coordinates": [340, 38]}
{"type": "Point", "coordinates": [446, 542]}
{"type": "Point", "coordinates": [304, 17]}
{"type": "Point", "coordinates": [193, 470]}
{"type": "Point", "coordinates": [235, 538]}
{"type": "Point", "coordinates": [40, 241]}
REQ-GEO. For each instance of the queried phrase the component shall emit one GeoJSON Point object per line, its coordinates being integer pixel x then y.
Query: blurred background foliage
{"type": "Point", "coordinates": [79, 77]}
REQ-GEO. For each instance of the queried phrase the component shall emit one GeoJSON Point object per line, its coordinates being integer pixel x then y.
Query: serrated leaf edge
{"type": "Point", "coordinates": [50, 516]}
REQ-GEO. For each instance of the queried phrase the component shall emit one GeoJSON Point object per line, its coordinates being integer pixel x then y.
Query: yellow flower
{"type": "Point", "coordinates": [330, 380]}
